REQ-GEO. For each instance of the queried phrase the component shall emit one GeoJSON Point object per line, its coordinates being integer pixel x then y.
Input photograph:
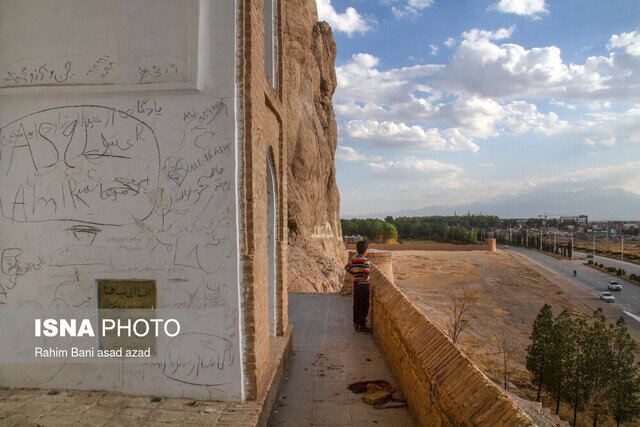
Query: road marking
{"type": "Point", "coordinates": [632, 315]}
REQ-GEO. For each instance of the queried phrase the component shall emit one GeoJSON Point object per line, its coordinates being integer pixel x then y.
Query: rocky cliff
{"type": "Point", "coordinates": [316, 251]}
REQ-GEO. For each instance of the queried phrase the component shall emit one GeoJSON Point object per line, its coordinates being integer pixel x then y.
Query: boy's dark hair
{"type": "Point", "coordinates": [362, 246]}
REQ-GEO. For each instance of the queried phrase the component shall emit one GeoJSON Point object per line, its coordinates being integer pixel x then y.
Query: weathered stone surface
{"type": "Point", "coordinates": [315, 236]}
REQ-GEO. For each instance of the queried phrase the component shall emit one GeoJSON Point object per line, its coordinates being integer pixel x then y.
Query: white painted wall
{"type": "Point", "coordinates": [119, 160]}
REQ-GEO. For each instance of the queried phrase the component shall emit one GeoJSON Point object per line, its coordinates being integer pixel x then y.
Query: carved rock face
{"type": "Point", "coordinates": [315, 235]}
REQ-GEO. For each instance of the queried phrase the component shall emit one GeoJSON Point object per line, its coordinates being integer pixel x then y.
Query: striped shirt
{"type": "Point", "coordinates": [360, 268]}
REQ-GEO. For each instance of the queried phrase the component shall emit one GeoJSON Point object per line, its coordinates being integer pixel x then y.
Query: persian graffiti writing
{"type": "Point", "coordinates": [156, 69]}
{"type": "Point", "coordinates": [43, 73]}
{"type": "Point", "coordinates": [101, 66]}
{"type": "Point", "coordinates": [198, 359]}
{"type": "Point", "coordinates": [63, 70]}
{"type": "Point", "coordinates": [13, 267]}
{"type": "Point", "coordinates": [78, 163]}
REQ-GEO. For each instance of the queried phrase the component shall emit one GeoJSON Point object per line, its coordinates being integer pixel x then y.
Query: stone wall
{"type": "Point", "coordinates": [442, 386]}
{"type": "Point", "coordinates": [316, 254]}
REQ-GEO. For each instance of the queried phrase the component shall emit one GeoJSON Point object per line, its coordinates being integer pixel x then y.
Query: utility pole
{"type": "Point", "coordinates": [594, 245]}
{"type": "Point", "coordinates": [572, 241]}
{"type": "Point", "coordinates": [622, 254]}
{"type": "Point", "coordinates": [554, 241]}
{"type": "Point", "coordinates": [540, 239]}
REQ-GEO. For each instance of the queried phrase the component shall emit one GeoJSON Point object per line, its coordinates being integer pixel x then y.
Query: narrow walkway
{"type": "Point", "coordinates": [327, 356]}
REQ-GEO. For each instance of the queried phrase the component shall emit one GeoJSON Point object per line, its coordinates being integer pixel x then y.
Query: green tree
{"type": "Point", "coordinates": [539, 352]}
{"type": "Point", "coordinates": [389, 233]}
{"type": "Point", "coordinates": [562, 355]}
{"type": "Point", "coordinates": [598, 358]}
{"type": "Point", "coordinates": [623, 396]}
{"type": "Point", "coordinates": [575, 393]}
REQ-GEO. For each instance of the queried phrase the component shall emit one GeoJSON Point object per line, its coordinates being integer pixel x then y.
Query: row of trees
{"type": "Point", "coordinates": [467, 229]}
{"type": "Point", "coordinates": [530, 239]}
{"type": "Point", "coordinates": [538, 223]}
{"type": "Point", "coordinates": [483, 222]}
{"type": "Point", "coordinates": [590, 365]}
{"type": "Point", "coordinates": [439, 228]}
{"type": "Point", "coordinates": [373, 229]}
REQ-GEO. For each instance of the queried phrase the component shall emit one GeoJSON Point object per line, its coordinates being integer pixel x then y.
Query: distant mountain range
{"type": "Point", "coordinates": [598, 204]}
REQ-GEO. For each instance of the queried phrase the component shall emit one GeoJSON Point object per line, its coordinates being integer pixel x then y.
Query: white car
{"type": "Point", "coordinates": [607, 297]}
{"type": "Point", "coordinates": [614, 286]}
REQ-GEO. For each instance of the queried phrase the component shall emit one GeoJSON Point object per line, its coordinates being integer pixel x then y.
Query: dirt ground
{"type": "Point", "coordinates": [511, 297]}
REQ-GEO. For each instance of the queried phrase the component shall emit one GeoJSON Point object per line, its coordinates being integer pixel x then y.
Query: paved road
{"type": "Point", "coordinates": [610, 262]}
{"type": "Point", "coordinates": [590, 279]}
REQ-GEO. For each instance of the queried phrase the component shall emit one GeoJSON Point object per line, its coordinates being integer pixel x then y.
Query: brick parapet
{"type": "Point", "coordinates": [442, 386]}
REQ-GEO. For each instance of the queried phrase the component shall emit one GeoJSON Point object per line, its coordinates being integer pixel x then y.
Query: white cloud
{"type": "Point", "coordinates": [522, 117]}
{"type": "Point", "coordinates": [434, 49]}
{"type": "Point", "coordinates": [349, 22]}
{"type": "Point", "coordinates": [350, 154]}
{"type": "Point", "coordinates": [629, 41]}
{"type": "Point", "coordinates": [413, 183]}
{"type": "Point", "coordinates": [488, 89]}
{"type": "Point", "coordinates": [416, 170]}
{"type": "Point", "coordinates": [408, 137]}
{"type": "Point", "coordinates": [625, 176]}
{"type": "Point", "coordinates": [450, 42]}
{"type": "Point", "coordinates": [563, 104]}
{"type": "Point", "coordinates": [484, 68]}
{"type": "Point", "coordinates": [410, 9]}
{"type": "Point", "coordinates": [475, 34]}
{"type": "Point", "coordinates": [609, 128]}
{"type": "Point", "coordinates": [532, 8]}
{"type": "Point", "coordinates": [397, 96]}
{"type": "Point", "coordinates": [361, 80]}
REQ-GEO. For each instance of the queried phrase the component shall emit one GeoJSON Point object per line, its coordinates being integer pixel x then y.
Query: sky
{"type": "Point", "coordinates": [449, 103]}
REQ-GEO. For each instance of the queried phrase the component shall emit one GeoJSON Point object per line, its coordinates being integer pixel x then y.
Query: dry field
{"type": "Point", "coordinates": [511, 296]}
{"type": "Point", "coordinates": [611, 248]}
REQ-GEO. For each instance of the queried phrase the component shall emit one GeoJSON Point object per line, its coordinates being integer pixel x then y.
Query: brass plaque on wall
{"type": "Point", "coordinates": [124, 302]}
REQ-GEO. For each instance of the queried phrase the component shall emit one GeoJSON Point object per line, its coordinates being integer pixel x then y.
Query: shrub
{"type": "Point", "coordinates": [619, 272]}
{"type": "Point", "coordinates": [601, 265]}
{"type": "Point", "coordinates": [590, 262]}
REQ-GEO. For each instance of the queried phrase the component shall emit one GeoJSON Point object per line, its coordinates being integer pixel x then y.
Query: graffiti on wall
{"type": "Point", "coordinates": [140, 190]}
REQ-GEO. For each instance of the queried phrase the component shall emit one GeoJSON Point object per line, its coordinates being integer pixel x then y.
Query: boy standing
{"type": "Point", "coordinates": [360, 268]}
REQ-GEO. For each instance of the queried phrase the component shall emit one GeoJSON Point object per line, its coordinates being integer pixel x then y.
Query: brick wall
{"type": "Point", "coordinates": [263, 137]}
{"type": "Point", "coordinates": [442, 386]}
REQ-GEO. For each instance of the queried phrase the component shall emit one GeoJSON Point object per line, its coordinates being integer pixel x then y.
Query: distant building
{"type": "Point", "coordinates": [352, 239]}
{"type": "Point", "coordinates": [579, 219]}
